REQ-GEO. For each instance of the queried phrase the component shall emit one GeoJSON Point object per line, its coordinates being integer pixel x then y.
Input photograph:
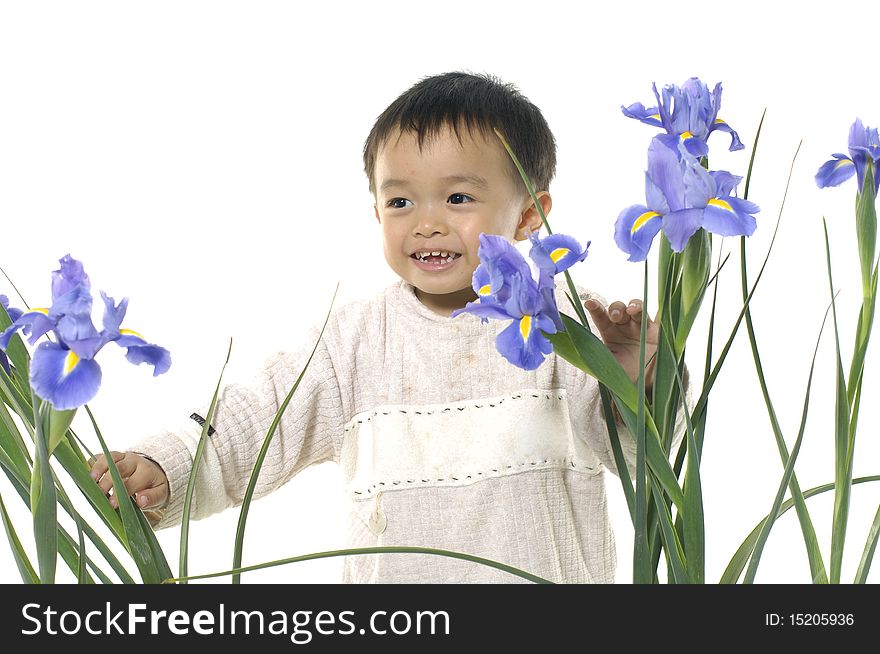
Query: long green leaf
{"type": "Point", "coordinates": [619, 457]}
{"type": "Point", "coordinates": [82, 576]}
{"type": "Point", "coordinates": [741, 557]}
{"type": "Point", "coordinates": [591, 356]}
{"type": "Point", "coordinates": [710, 382]}
{"type": "Point", "coordinates": [811, 542]}
{"type": "Point", "coordinates": [25, 569]}
{"type": "Point", "coordinates": [43, 502]}
{"type": "Point", "coordinates": [642, 573]}
{"type": "Point", "coordinates": [870, 547]}
{"type": "Point", "coordinates": [841, 443]}
{"type": "Point", "coordinates": [374, 550]}
{"type": "Point", "coordinates": [153, 570]}
{"type": "Point", "coordinates": [675, 556]}
{"type": "Point", "coordinates": [693, 526]}
{"type": "Point", "coordinates": [66, 548]}
{"type": "Point", "coordinates": [11, 442]}
{"type": "Point", "coordinates": [594, 358]}
{"type": "Point", "coordinates": [191, 482]}
{"type": "Point", "coordinates": [258, 464]}
{"type": "Point", "coordinates": [789, 469]}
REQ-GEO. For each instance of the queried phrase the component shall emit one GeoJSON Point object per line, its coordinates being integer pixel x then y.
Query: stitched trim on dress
{"type": "Point", "coordinates": [405, 483]}
{"type": "Point", "coordinates": [497, 403]}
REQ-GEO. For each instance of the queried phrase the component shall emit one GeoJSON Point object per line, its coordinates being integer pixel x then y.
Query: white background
{"type": "Point", "coordinates": [204, 159]}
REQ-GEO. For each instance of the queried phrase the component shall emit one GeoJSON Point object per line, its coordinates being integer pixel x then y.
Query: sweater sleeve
{"type": "Point", "coordinates": [309, 432]}
{"type": "Point", "coordinates": [595, 429]}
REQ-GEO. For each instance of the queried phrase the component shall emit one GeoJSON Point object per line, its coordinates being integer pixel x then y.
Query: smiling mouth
{"type": "Point", "coordinates": [435, 256]}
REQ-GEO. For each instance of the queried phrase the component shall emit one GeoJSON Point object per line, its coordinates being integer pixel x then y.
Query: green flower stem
{"type": "Point", "coordinates": [252, 482]}
{"type": "Point", "coordinates": [811, 542]}
{"type": "Point", "coordinates": [191, 481]}
{"type": "Point", "coordinates": [743, 553]}
{"type": "Point", "coordinates": [787, 473]}
{"type": "Point", "coordinates": [372, 550]}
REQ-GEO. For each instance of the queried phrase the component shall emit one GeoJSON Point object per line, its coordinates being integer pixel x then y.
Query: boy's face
{"type": "Point", "coordinates": [439, 199]}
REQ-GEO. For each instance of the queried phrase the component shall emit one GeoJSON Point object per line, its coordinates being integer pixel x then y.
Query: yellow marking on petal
{"type": "Point", "coordinates": [842, 162]}
{"type": "Point", "coordinates": [718, 120]}
{"type": "Point", "coordinates": [558, 253]}
{"type": "Point", "coordinates": [686, 135]}
{"type": "Point", "coordinates": [45, 312]}
{"type": "Point", "coordinates": [485, 290]}
{"type": "Point", "coordinates": [641, 220]}
{"type": "Point", "coordinates": [721, 204]}
{"type": "Point", "coordinates": [131, 332]}
{"type": "Point", "coordinates": [657, 116]}
{"type": "Point", "coordinates": [70, 362]}
{"type": "Point", "coordinates": [525, 327]}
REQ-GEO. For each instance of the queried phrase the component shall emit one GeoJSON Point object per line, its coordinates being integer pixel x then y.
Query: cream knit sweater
{"type": "Point", "coordinates": [442, 443]}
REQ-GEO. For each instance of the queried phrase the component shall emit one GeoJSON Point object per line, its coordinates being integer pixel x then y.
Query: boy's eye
{"type": "Point", "coordinates": [459, 198]}
{"type": "Point", "coordinates": [397, 203]}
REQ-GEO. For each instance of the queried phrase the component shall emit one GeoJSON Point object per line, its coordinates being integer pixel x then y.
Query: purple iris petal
{"type": "Point", "coordinates": [729, 216]}
{"type": "Point", "coordinates": [654, 196]}
{"type": "Point", "coordinates": [68, 277]}
{"type": "Point", "coordinates": [13, 313]}
{"type": "Point", "coordinates": [721, 126]}
{"type": "Point", "coordinates": [639, 112]}
{"type": "Point", "coordinates": [690, 110]}
{"type": "Point", "coordinates": [635, 230]}
{"type": "Point", "coordinates": [864, 146]}
{"type": "Point", "coordinates": [58, 377]}
{"type": "Point", "coordinates": [502, 261]}
{"type": "Point", "coordinates": [156, 356]}
{"type": "Point", "coordinates": [696, 147]}
{"type": "Point", "coordinates": [526, 353]}
{"type": "Point", "coordinates": [699, 187]}
{"type": "Point", "coordinates": [484, 310]}
{"type": "Point", "coordinates": [562, 252]}
{"type": "Point", "coordinates": [725, 182]}
{"type": "Point", "coordinates": [113, 314]}
{"type": "Point", "coordinates": [665, 170]}
{"type": "Point", "coordinates": [140, 351]}
{"type": "Point", "coordinates": [679, 226]}
{"type": "Point", "coordinates": [836, 171]}
{"type": "Point", "coordinates": [34, 323]}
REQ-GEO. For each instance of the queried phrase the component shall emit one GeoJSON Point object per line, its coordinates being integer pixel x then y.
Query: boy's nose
{"type": "Point", "coordinates": [429, 223]}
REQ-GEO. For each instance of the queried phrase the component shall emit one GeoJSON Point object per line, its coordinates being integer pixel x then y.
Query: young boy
{"type": "Point", "coordinates": [442, 442]}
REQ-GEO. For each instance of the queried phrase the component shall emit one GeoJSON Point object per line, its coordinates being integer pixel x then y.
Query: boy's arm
{"type": "Point", "coordinates": [306, 434]}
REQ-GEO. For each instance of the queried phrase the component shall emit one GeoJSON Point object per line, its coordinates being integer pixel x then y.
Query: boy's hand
{"type": "Point", "coordinates": [619, 327]}
{"type": "Point", "coordinates": [143, 479]}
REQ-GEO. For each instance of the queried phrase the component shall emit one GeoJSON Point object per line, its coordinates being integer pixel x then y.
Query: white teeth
{"type": "Point", "coordinates": [448, 256]}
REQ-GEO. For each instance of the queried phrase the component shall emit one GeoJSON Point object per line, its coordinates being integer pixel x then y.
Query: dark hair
{"type": "Point", "coordinates": [483, 102]}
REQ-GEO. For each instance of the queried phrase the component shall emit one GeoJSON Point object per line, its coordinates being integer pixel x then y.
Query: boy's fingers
{"type": "Point", "coordinates": [617, 313]}
{"type": "Point", "coordinates": [634, 310]}
{"type": "Point", "coordinates": [597, 313]}
{"type": "Point", "coordinates": [99, 464]}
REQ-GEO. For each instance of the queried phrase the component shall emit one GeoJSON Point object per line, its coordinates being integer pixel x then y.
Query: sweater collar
{"type": "Point", "coordinates": [412, 305]}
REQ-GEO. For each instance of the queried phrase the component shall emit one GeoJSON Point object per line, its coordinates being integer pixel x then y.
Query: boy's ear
{"type": "Point", "coordinates": [376, 211]}
{"type": "Point", "coordinates": [530, 219]}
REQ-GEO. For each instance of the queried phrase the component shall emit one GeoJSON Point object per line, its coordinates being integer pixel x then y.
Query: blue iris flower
{"type": "Point", "coordinates": [63, 371]}
{"type": "Point", "coordinates": [507, 290]}
{"type": "Point", "coordinates": [14, 314]}
{"type": "Point", "coordinates": [688, 113]}
{"type": "Point", "coordinates": [864, 146]}
{"type": "Point", "coordinates": [681, 197]}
